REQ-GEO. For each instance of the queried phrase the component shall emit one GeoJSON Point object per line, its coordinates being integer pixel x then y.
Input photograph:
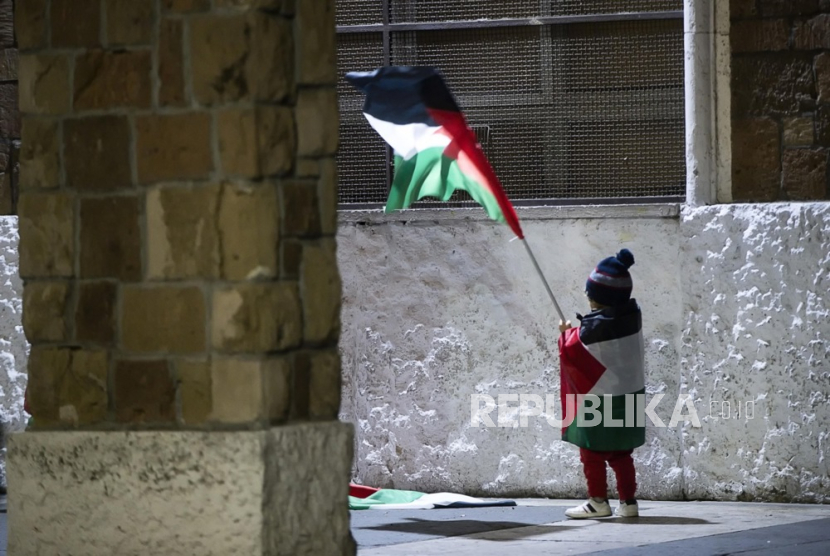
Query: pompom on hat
{"type": "Point", "coordinates": [610, 283]}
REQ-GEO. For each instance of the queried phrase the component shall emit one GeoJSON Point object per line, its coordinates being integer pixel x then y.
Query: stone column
{"type": "Point", "coordinates": [182, 300]}
{"type": "Point", "coordinates": [708, 102]}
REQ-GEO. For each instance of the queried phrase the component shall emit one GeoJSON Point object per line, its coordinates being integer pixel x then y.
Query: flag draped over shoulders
{"type": "Point", "coordinates": [602, 373]}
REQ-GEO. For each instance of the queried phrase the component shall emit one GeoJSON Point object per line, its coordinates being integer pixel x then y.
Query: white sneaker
{"type": "Point", "coordinates": [627, 510]}
{"type": "Point", "coordinates": [589, 510]}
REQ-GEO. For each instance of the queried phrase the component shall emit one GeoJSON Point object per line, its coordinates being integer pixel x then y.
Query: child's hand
{"type": "Point", "coordinates": [563, 326]}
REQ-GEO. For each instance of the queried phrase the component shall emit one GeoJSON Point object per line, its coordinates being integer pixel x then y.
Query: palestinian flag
{"type": "Point", "coordinates": [368, 498]}
{"type": "Point", "coordinates": [602, 363]}
{"type": "Point", "coordinates": [436, 152]}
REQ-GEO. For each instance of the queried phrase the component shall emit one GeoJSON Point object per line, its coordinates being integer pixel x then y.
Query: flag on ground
{"type": "Point", "coordinates": [436, 152]}
{"type": "Point", "coordinates": [367, 498]}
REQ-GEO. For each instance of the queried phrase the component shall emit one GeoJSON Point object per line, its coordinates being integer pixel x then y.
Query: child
{"type": "Point", "coordinates": [601, 362]}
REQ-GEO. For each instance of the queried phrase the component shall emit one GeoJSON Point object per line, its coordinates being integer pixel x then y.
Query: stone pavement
{"type": "Point", "coordinates": [538, 527]}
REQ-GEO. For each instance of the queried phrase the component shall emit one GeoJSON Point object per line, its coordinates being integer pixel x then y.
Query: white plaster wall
{"type": "Point", "coordinates": [757, 329]}
{"type": "Point", "coordinates": [433, 313]}
{"type": "Point", "coordinates": [14, 348]}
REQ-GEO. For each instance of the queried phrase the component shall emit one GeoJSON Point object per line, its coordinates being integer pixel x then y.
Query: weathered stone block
{"type": "Point", "coordinates": [256, 142]}
{"type": "Point", "coordinates": [42, 385]}
{"type": "Point", "coordinates": [256, 317]}
{"type": "Point", "coordinates": [249, 227]}
{"type": "Point", "coordinates": [756, 160]}
{"type": "Point", "coordinates": [787, 7]}
{"type": "Point", "coordinates": [770, 85]}
{"type": "Point", "coordinates": [40, 164]}
{"type": "Point", "coordinates": [129, 22]}
{"type": "Point", "coordinates": [110, 245]}
{"type": "Point", "coordinates": [9, 62]}
{"type": "Point", "coordinates": [805, 174]}
{"type": "Point", "coordinates": [271, 64]}
{"type": "Point", "coordinates": [238, 393]}
{"type": "Point", "coordinates": [44, 311]}
{"type": "Point", "coordinates": [163, 319]}
{"type": "Point", "coordinates": [182, 236]}
{"type": "Point", "coordinates": [307, 168]}
{"type": "Point", "coordinates": [105, 79]}
{"type": "Point", "coordinates": [292, 259]}
{"type": "Point", "coordinates": [194, 478]}
{"type": "Point", "coordinates": [327, 196]}
{"type": "Point", "coordinates": [276, 139]}
{"type": "Point", "coordinates": [9, 111]}
{"type": "Point", "coordinates": [321, 290]}
{"type": "Point", "coordinates": [289, 7]}
{"type": "Point", "coordinates": [822, 119]}
{"type": "Point", "coordinates": [30, 27]}
{"type": "Point", "coordinates": [171, 63]}
{"type": "Point", "coordinates": [318, 111]}
{"type": "Point", "coordinates": [6, 23]}
{"type": "Point", "coordinates": [822, 69]}
{"type": "Point", "coordinates": [186, 6]}
{"type": "Point", "coordinates": [300, 385]}
{"type": "Point", "coordinates": [6, 194]}
{"type": "Point", "coordinates": [170, 147]}
{"type": "Point", "coordinates": [195, 391]}
{"type": "Point", "coordinates": [760, 35]}
{"type": "Point", "coordinates": [250, 4]}
{"type": "Point", "coordinates": [47, 245]}
{"type": "Point", "coordinates": [76, 23]}
{"type": "Point", "coordinates": [798, 132]}
{"type": "Point", "coordinates": [83, 388]}
{"type": "Point", "coordinates": [316, 43]}
{"type": "Point", "coordinates": [95, 313]}
{"type": "Point", "coordinates": [238, 148]}
{"type": "Point", "coordinates": [144, 392]}
{"type": "Point", "coordinates": [294, 448]}
{"type": "Point", "coordinates": [301, 209]}
{"type": "Point", "coordinates": [277, 387]}
{"type": "Point", "coordinates": [67, 386]}
{"type": "Point", "coordinates": [325, 385]}
{"type": "Point", "coordinates": [44, 84]}
{"type": "Point", "coordinates": [97, 153]}
{"type": "Point", "coordinates": [220, 47]}
{"type": "Point", "coordinates": [245, 56]}
{"type": "Point", "coordinates": [812, 34]}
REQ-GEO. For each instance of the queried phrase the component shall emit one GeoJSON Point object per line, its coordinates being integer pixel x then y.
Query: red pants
{"type": "Point", "coordinates": [593, 464]}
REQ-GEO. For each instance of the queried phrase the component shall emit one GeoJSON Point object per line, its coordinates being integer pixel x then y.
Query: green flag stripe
{"type": "Point", "coordinates": [603, 438]}
{"type": "Point", "coordinates": [431, 174]}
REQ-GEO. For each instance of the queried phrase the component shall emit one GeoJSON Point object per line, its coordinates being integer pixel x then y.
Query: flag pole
{"type": "Point", "coordinates": [544, 281]}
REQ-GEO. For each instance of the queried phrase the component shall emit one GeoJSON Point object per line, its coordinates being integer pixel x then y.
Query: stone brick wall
{"type": "Point", "coordinates": [780, 99]}
{"type": "Point", "coordinates": [178, 212]}
{"type": "Point", "coordinates": [9, 113]}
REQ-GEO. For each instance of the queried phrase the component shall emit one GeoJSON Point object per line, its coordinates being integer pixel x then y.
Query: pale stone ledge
{"type": "Point", "coordinates": [474, 214]}
{"type": "Point", "coordinates": [252, 493]}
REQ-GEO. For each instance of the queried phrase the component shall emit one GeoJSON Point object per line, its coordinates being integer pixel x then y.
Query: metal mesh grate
{"type": "Point", "coordinates": [356, 52]}
{"type": "Point", "coordinates": [456, 10]}
{"type": "Point", "coordinates": [571, 111]}
{"type": "Point", "coordinates": [501, 97]}
{"type": "Point", "coordinates": [358, 12]}
{"type": "Point", "coordinates": [361, 162]}
{"type": "Point", "coordinates": [481, 66]}
{"type": "Point", "coordinates": [620, 113]}
{"type": "Point", "coordinates": [361, 159]}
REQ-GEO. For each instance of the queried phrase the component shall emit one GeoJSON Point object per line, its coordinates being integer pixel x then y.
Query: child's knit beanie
{"type": "Point", "coordinates": [610, 283]}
